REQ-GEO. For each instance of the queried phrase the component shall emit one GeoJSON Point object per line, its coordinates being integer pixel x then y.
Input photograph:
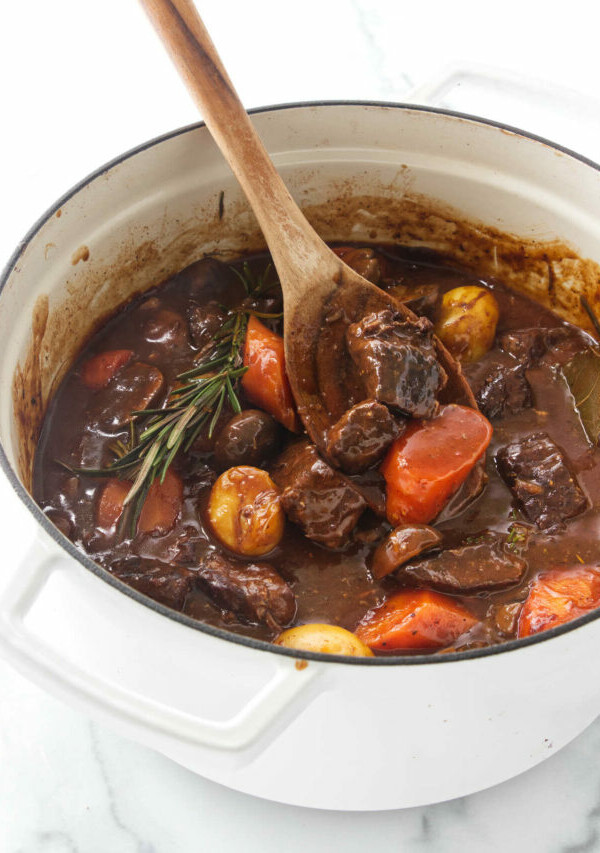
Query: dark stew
{"type": "Point", "coordinates": [173, 455]}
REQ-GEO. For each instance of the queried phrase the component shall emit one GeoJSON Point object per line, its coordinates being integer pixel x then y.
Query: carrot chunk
{"type": "Point", "coordinates": [414, 619]}
{"type": "Point", "coordinates": [430, 460]}
{"type": "Point", "coordinates": [162, 505]}
{"type": "Point", "coordinates": [97, 371]}
{"type": "Point", "coordinates": [109, 506]}
{"type": "Point", "coordinates": [557, 597]}
{"type": "Point", "coordinates": [265, 382]}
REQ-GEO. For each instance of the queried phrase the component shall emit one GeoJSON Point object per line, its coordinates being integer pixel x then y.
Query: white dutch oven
{"type": "Point", "coordinates": [297, 728]}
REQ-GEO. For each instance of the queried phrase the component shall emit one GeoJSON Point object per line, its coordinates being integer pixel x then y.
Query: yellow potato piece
{"type": "Point", "coordinates": [327, 639]}
{"type": "Point", "coordinates": [245, 511]}
{"type": "Point", "coordinates": [467, 322]}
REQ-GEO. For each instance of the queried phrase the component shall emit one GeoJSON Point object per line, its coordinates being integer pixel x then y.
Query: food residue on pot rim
{"type": "Point", "coordinates": [551, 272]}
{"type": "Point", "coordinates": [80, 254]}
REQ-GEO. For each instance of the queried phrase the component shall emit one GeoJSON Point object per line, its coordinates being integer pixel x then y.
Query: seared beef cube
{"type": "Point", "coordinates": [397, 362]}
{"type": "Point", "coordinates": [166, 328]}
{"type": "Point", "coordinates": [537, 473]}
{"type": "Point", "coordinates": [315, 497]}
{"type": "Point", "coordinates": [527, 346]}
{"type": "Point", "coordinates": [210, 280]}
{"type": "Point", "coordinates": [499, 385]}
{"type": "Point", "coordinates": [253, 591]}
{"type": "Point", "coordinates": [361, 436]}
{"type": "Point", "coordinates": [204, 322]}
{"type": "Point", "coordinates": [553, 346]}
{"type": "Point", "coordinates": [168, 585]}
{"type": "Point", "coordinates": [564, 343]}
{"type": "Point", "coordinates": [485, 565]}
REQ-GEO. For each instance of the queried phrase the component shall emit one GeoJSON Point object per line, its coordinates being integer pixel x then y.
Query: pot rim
{"type": "Point", "coordinates": [220, 633]}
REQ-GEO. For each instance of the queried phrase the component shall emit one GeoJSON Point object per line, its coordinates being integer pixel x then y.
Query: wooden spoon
{"type": "Point", "coordinates": [313, 279]}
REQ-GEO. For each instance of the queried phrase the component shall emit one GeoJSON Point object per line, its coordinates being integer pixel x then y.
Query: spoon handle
{"type": "Point", "coordinates": [297, 250]}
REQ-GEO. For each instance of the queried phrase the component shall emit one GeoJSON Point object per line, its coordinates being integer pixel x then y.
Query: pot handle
{"type": "Point", "coordinates": [548, 109]}
{"type": "Point", "coordinates": [40, 662]}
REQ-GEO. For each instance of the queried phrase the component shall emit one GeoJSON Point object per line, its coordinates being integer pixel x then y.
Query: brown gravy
{"type": "Point", "coordinates": [333, 586]}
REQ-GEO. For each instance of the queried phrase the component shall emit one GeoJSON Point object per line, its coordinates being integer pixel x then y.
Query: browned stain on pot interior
{"type": "Point", "coordinates": [551, 272]}
{"type": "Point", "coordinates": [29, 403]}
{"type": "Point", "coordinates": [80, 254]}
{"type": "Point", "coordinates": [95, 290]}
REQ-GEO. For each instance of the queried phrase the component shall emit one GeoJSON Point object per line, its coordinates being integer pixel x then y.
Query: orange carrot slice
{"type": "Point", "coordinates": [414, 619]}
{"type": "Point", "coordinates": [97, 371]}
{"type": "Point", "coordinates": [109, 506]}
{"type": "Point", "coordinates": [558, 596]}
{"type": "Point", "coordinates": [265, 382]}
{"type": "Point", "coordinates": [430, 460]}
{"type": "Point", "coordinates": [162, 505]}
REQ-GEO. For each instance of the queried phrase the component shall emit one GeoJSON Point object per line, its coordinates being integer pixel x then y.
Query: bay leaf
{"type": "Point", "coordinates": [583, 378]}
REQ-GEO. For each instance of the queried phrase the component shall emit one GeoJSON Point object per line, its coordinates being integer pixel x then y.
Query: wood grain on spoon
{"type": "Point", "coordinates": [313, 278]}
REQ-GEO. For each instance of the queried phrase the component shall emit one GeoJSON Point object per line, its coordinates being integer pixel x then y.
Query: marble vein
{"type": "Point", "coordinates": [141, 845]}
{"type": "Point", "coordinates": [393, 81]}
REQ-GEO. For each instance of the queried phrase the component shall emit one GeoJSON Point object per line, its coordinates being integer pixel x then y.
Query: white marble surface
{"type": "Point", "coordinates": [82, 83]}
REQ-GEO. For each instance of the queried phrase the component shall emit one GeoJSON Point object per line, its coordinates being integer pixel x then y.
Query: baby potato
{"type": "Point", "coordinates": [467, 321]}
{"type": "Point", "coordinates": [245, 511]}
{"type": "Point", "coordinates": [327, 639]}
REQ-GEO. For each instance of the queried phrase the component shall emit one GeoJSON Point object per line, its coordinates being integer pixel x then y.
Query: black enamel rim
{"type": "Point", "coordinates": [262, 645]}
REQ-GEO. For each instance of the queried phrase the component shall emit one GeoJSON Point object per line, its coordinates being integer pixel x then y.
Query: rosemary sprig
{"type": "Point", "coordinates": [256, 283]}
{"type": "Point", "coordinates": [193, 407]}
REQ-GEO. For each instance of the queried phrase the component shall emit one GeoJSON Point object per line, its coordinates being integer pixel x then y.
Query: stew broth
{"type": "Point", "coordinates": [330, 585]}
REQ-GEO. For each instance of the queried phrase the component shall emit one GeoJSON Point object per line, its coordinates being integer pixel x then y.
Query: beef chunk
{"type": "Point", "coordinates": [401, 545]}
{"type": "Point", "coordinates": [527, 346]}
{"type": "Point", "coordinates": [361, 436]}
{"type": "Point", "coordinates": [166, 328]}
{"type": "Point", "coordinates": [315, 497]}
{"type": "Point", "coordinates": [204, 322]}
{"type": "Point", "coordinates": [499, 384]}
{"type": "Point", "coordinates": [553, 346]}
{"type": "Point", "coordinates": [210, 280]}
{"type": "Point", "coordinates": [564, 343]}
{"type": "Point", "coordinates": [166, 584]}
{"type": "Point", "coordinates": [486, 565]}
{"type": "Point", "coordinates": [537, 473]}
{"type": "Point", "coordinates": [253, 591]}
{"type": "Point", "coordinates": [397, 362]}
